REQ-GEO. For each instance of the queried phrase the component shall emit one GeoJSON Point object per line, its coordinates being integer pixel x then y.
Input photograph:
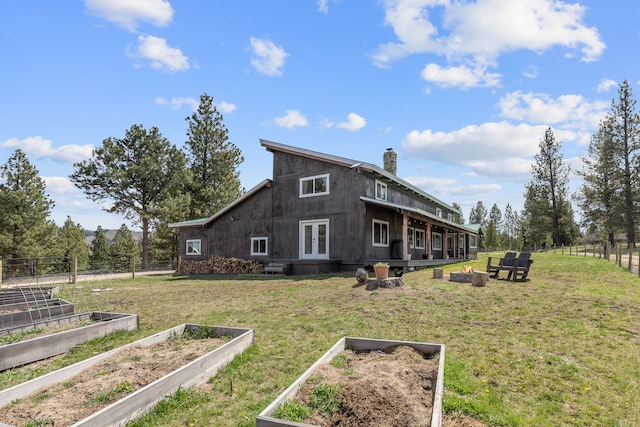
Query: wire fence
{"type": "Point", "coordinates": [626, 256]}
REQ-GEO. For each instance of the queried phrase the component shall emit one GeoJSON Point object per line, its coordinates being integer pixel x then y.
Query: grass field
{"type": "Point", "coordinates": [562, 349]}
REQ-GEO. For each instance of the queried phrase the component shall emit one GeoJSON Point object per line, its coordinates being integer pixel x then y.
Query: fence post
{"type": "Point", "coordinates": [619, 254]}
{"type": "Point", "coordinates": [630, 255]}
{"type": "Point", "coordinates": [179, 266]}
{"type": "Point", "coordinates": [1, 270]}
{"type": "Point", "coordinates": [74, 277]}
{"type": "Point", "coordinates": [133, 267]}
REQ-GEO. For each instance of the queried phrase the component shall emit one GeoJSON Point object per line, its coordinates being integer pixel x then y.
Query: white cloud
{"type": "Point", "coordinates": [226, 107]}
{"type": "Point", "coordinates": [354, 122]}
{"type": "Point", "coordinates": [495, 149]}
{"type": "Point", "coordinates": [38, 147]}
{"type": "Point", "coordinates": [605, 85]}
{"type": "Point", "coordinates": [323, 6]}
{"type": "Point", "coordinates": [461, 76]}
{"type": "Point", "coordinates": [475, 34]}
{"type": "Point", "coordinates": [192, 103]}
{"type": "Point", "coordinates": [268, 58]}
{"type": "Point", "coordinates": [571, 110]}
{"type": "Point", "coordinates": [451, 187]}
{"type": "Point", "coordinates": [178, 103]}
{"type": "Point", "coordinates": [161, 56]}
{"type": "Point", "coordinates": [60, 186]}
{"type": "Point", "coordinates": [291, 119]}
{"type": "Point", "coordinates": [129, 14]}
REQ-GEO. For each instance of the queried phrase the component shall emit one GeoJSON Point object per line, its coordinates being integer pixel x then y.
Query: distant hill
{"type": "Point", "coordinates": [111, 234]}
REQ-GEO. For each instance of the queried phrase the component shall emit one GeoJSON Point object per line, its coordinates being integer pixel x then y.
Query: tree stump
{"type": "Point", "coordinates": [438, 273]}
{"type": "Point", "coordinates": [480, 278]}
{"type": "Point", "coordinates": [373, 283]}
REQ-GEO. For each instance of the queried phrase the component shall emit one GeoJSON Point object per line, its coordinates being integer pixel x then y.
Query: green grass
{"type": "Point", "coordinates": [562, 349]}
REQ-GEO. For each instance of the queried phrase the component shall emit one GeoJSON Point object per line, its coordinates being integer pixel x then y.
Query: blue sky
{"type": "Point", "coordinates": [462, 90]}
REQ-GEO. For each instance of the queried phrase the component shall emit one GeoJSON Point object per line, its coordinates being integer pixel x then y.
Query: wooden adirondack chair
{"type": "Point", "coordinates": [505, 263]}
{"type": "Point", "coordinates": [520, 269]}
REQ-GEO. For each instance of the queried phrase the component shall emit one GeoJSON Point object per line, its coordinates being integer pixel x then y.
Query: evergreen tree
{"type": "Point", "coordinates": [100, 250]}
{"type": "Point", "coordinates": [510, 226]}
{"type": "Point", "coordinates": [599, 195]}
{"type": "Point", "coordinates": [138, 173]}
{"type": "Point", "coordinates": [491, 236]}
{"type": "Point", "coordinates": [25, 228]}
{"type": "Point", "coordinates": [625, 138]}
{"type": "Point", "coordinates": [213, 161]}
{"type": "Point", "coordinates": [124, 248]}
{"type": "Point", "coordinates": [495, 216]}
{"type": "Point", "coordinates": [460, 217]}
{"type": "Point", "coordinates": [547, 206]}
{"type": "Point", "coordinates": [71, 242]}
{"type": "Point", "coordinates": [478, 215]}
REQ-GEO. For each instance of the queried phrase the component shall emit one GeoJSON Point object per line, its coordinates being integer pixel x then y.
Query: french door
{"type": "Point", "coordinates": [314, 239]}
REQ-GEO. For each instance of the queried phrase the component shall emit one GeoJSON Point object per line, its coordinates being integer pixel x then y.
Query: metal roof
{"type": "Point", "coordinates": [343, 161]}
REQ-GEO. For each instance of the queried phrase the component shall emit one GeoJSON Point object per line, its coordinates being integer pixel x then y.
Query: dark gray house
{"type": "Point", "coordinates": [322, 213]}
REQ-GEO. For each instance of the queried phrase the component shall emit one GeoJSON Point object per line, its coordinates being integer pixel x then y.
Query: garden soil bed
{"type": "Point", "coordinates": [103, 384]}
{"type": "Point", "coordinates": [377, 388]}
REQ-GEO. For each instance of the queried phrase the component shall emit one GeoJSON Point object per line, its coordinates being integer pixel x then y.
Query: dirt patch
{"type": "Point", "coordinates": [105, 383]}
{"type": "Point", "coordinates": [376, 388]}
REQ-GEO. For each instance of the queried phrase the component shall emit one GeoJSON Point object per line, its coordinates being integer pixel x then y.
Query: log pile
{"type": "Point", "coordinates": [220, 265]}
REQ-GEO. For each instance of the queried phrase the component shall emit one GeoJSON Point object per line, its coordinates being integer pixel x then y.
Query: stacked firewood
{"type": "Point", "coordinates": [218, 264]}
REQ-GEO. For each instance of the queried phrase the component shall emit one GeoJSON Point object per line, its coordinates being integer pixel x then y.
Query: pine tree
{"type": "Point", "coordinates": [100, 250]}
{"type": "Point", "coordinates": [600, 195]}
{"type": "Point", "coordinates": [213, 161]}
{"type": "Point", "coordinates": [548, 189]}
{"type": "Point", "coordinates": [458, 218]}
{"type": "Point", "coordinates": [495, 216]}
{"type": "Point", "coordinates": [25, 228]}
{"type": "Point", "coordinates": [71, 242]}
{"type": "Point", "coordinates": [625, 138]}
{"type": "Point", "coordinates": [138, 173]}
{"type": "Point", "coordinates": [478, 215]}
{"type": "Point", "coordinates": [124, 248]}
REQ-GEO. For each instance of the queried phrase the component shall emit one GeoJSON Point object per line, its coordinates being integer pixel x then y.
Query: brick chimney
{"type": "Point", "coordinates": [390, 161]}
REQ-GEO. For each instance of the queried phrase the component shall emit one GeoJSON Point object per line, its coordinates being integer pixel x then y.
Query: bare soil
{"type": "Point", "coordinates": [385, 389]}
{"type": "Point", "coordinates": [105, 383]}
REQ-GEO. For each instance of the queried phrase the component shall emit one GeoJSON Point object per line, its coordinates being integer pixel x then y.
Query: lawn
{"type": "Point", "coordinates": [562, 349]}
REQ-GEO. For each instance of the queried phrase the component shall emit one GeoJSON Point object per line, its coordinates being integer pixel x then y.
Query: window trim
{"type": "Point", "coordinates": [191, 242]}
{"type": "Point", "coordinates": [439, 212]}
{"type": "Point", "coordinates": [411, 237]}
{"type": "Point", "coordinates": [384, 224]}
{"type": "Point", "coordinates": [450, 216]}
{"type": "Point", "coordinates": [266, 246]}
{"type": "Point", "coordinates": [423, 240]}
{"type": "Point", "coordinates": [436, 238]}
{"type": "Point", "coordinates": [382, 185]}
{"type": "Point", "coordinates": [313, 178]}
{"type": "Point", "coordinates": [473, 241]}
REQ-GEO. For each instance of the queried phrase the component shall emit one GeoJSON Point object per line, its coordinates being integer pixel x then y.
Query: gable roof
{"type": "Point", "coordinates": [343, 161]}
{"type": "Point", "coordinates": [202, 222]}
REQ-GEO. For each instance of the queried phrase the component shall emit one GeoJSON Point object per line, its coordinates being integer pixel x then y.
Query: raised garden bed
{"type": "Point", "coordinates": [143, 399]}
{"type": "Point", "coordinates": [362, 346]}
{"type": "Point", "coordinates": [26, 313]}
{"type": "Point", "coordinates": [26, 293]}
{"type": "Point", "coordinates": [21, 353]}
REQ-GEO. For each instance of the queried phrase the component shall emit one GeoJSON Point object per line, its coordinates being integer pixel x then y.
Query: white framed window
{"type": "Point", "coordinates": [450, 216]}
{"type": "Point", "coordinates": [314, 185]}
{"type": "Point", "coordinates": [380, 233]}
{"type": "Point", "coordinates": [473, 241]}
{"type": "Point", "coordinates": [436, 241]}
{"type": "Point", "coordinates": [410, 236]}
{"type": "Point", "coordinates": [420, 238]}
{"type": "Point", "coordinates": [194, 247]}
{"type": "Point", "coordinates": [259, 246]}
{"type": "Point", "coordinates": [439, 212]}
{"type": "Point", "coordinates": [381, 190]}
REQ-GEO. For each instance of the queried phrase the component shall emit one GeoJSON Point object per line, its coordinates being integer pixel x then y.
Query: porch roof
{"type": "Point", "coordinates": [422, 213]}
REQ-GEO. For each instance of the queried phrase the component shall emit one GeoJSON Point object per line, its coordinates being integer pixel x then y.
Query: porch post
{"type": "Point", "coordinates": [405, 233]}
{"type": "Point", "coordinates": [428, 243]}
{"type": "Point", "coordinates": [445, 247]}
